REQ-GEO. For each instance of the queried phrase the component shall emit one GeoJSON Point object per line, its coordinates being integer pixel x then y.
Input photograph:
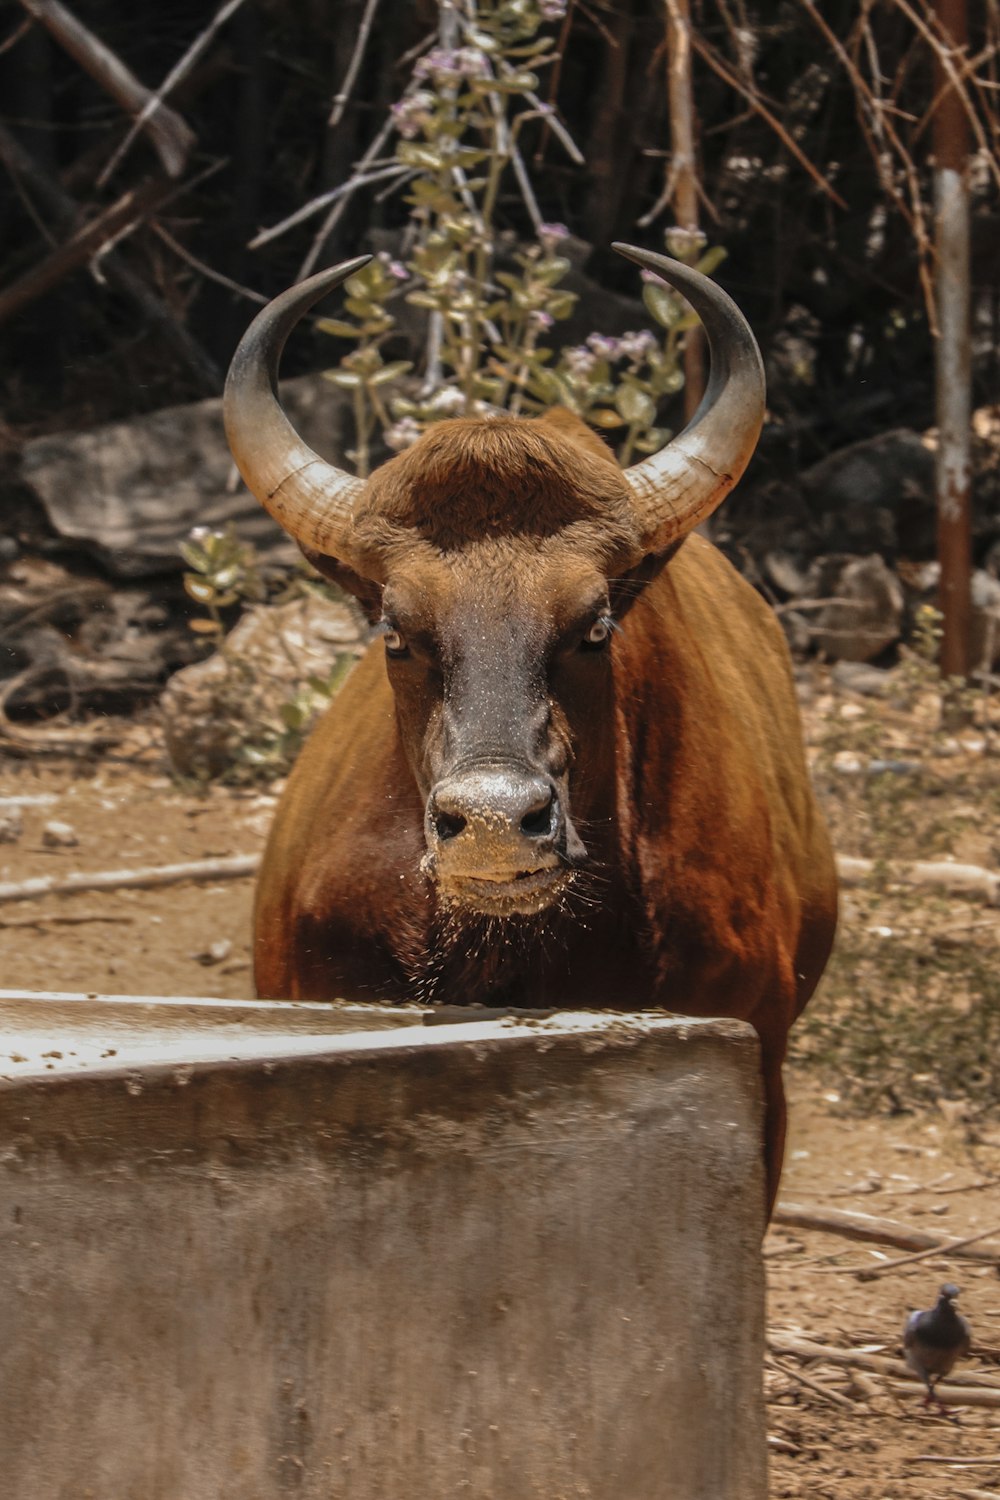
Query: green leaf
{"type": "Point", "coordinates": [636, 407]}
{"type": "Point", "coordinates": [413, 154]}
{"type": "Point", "coordinates": [653, 440]}
{"type": "Point", "coordinates": [561, 305]}
{"type": "Point", "coordinates": [343, 378]}
{"type": "Point", "coordinates": [200, 590]}
{"type": "Point", "coordinates": [663, 305]}
{"type": "Point", "coordinates": [391, 372]}
{"type": "Point", "coordinates": [338, 329]}
{"type": "Point", "coordinates": [552, 269]}
{"type": "Point", "coordinates": [711, 260]}
{"type": "Point", "coordinates": [602, 417]}
{"type": "Point", "coordinates": [425, 299]}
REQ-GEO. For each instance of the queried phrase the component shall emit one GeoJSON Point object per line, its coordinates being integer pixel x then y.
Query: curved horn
{"type": "Point", "coordinates": [681, 485]}
{"type": "Point", "coordinates": [310, 498]}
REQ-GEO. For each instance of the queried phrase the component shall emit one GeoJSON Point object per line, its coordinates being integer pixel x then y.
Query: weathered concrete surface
{"type": "Point", "coordinates": [499, 1260]}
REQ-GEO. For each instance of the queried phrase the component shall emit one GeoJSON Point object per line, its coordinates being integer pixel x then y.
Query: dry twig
{"type": "Point", "coordinates": [179, 71]}
{"type": "Point", "coordinates": [854, 1225]}
{"type": "Point", "coordinates": [231, 867]}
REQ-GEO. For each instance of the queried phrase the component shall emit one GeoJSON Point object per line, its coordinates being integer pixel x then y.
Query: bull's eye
{"type": "Point", "coordinates": [599, 633]}
{"type": "Point", "coordinates": [395, 643]}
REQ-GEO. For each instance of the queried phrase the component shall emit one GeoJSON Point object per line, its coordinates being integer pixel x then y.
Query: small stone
{"type": "Point", "coordinates": [11, 826]}
{"type": "Point", "coordinates": [57, 835]}
{"type": "Point", "coordinates": [215, 953]}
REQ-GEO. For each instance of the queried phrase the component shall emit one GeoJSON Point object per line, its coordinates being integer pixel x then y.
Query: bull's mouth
{"type": "Point", "coordinates": [510, 893]}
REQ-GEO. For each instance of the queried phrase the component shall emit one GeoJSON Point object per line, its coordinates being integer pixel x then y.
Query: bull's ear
{"type": "Point", "coordinates": [626, 588]}
{"type": "Point", "coordinates": [367, 592]}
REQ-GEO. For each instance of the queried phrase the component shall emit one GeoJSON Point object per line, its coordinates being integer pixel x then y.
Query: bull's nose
{"type": "Point", "coordinates": [494, 804]}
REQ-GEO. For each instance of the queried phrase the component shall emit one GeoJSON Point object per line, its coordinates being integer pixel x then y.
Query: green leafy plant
{"type": "Point", "coordinates": [488, 318]}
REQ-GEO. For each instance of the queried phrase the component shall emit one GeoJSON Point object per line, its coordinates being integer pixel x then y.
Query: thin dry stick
{"type": "Point", "coordinates": [340, 208]}
{"type": "Point", "coordinates": [17, 34]}
{"type": "Point", "coordinates": [333, 195]}
{"type": "Point", "coordinates": [63, 919]}
{"type": "Point", "coordinates": [231, 867]}
{"type": "Point", "coordinates": [179, 71]}
{"type": "Point", "coordinates": [871, 1273]}
{"type": "Point", "coordinates": [340, 100]}
{"type": "Point", "coordinates": [945, 55]}
{"type": "Point", "coordinates": [813, 1385]}
{"type": "Point", "coordinates": [962, 1463]}
{"type": "Point", "coordinates": [202, 269]}
{"type": "Point", "coordinates": [554, 79]}
{"type": "Point", "coordinates": [756, 103]}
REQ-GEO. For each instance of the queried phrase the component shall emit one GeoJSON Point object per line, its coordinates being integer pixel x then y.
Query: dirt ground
{"type": "Point", "coordinates": [873, 1127]}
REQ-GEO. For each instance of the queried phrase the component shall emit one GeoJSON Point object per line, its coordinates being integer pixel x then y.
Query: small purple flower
{"type": "Point", "coordinates": [549, 235]}
{"type": "Point", "coordinates": [604, 347]}
{"type": "Point", "coordinates": [541, 320]}
{"type": "Point", "coordinates": [579, 361]}
{"type": "Point", "coordinates": [636, 346]}
{"type": "Point", "coordinates": [449, 401]}
{"type": "Point", "coordinates": [395, 268]}
{"type": "Point", "coordinates": [684, 243]}
{"type": "Point", "coordinates": [450, 65]}
{"type": "Point", "coordinates": [411, 114]}
{"type": "Point", "coordinates": [552, 10]}
{"type": "Point", "coordinates": [402, 434]}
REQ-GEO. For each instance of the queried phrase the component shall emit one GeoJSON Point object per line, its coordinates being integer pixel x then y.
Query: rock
{"type": "Point", "coordinates": [215, 953]}
{"type": "Point", "coordinates": [984, 627]}
{"type": "Point", "coordinates": [784, 572]}
{"type": "Point", "coordinates": [865, 613]}
{"type": "Point", "coordinates": [876, 495]}
{"type": "Point", "coordinates": [215, 711]}
{"type": "Point", "coordinates": [131, 491]}
{"type": "Point", "coordinates": [56, 835]}
{"type": "Point", "coordinates": [11, 826]}
{"type": "Point", "coordinates": [858, 677]}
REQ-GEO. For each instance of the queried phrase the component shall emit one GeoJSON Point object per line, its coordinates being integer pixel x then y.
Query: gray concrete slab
{"type": "Point", "coordinates": [502, 1260]}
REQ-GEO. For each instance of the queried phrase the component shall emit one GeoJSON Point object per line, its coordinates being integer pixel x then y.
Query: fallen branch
{"type": "Point", "coordinates": [862, 1359]}
{"type": "Point", "coordinates": [951, 1395]}
{"type": "Point", "coordinates": [854, 1225]}
{"type": "Point", "coordinates": [959, 1463]}
{"type": "Point", "coordinates": [869, 1273]}
{"type": "Point", "coordinates": [231, 867]}
{"type": "Point", "coordinates": [88, 241]}
{"type": "Point", "coordinates": [836, 1397]}
{"type": "Point", "coordinates": [63, 919]}
{"type": "Point", "coordinates": [971, 880]}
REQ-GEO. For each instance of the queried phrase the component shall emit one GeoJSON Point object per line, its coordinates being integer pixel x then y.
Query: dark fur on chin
{"type": "Point", "coordinates": [471, 955]}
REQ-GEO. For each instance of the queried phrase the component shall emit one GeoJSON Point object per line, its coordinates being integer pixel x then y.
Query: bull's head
{"type": "Point", "coordinates": [497, 554]}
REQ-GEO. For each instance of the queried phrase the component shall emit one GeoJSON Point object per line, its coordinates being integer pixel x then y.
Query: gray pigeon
{"type": "Point", "coordinates": [934, 1340]}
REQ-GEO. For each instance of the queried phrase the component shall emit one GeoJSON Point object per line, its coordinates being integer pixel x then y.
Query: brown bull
{"type": "Point", "coordinates": [570, 773]}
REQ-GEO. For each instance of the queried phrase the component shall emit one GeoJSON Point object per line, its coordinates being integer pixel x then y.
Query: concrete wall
{"type": "Point", "coordinates": [495, 1260]}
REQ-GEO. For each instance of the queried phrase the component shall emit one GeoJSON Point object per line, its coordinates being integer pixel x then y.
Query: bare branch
{"type": "Point", "coordinates": [341, 99]}
{"type": "Point", "coordinates": [749, 92]}
{"type": "Point", "coordinates": [179, 71]}
{"type": "Point", "coordinates": [172, 136]}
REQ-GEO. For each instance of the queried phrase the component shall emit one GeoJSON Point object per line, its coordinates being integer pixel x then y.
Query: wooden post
{"type": "Point", "coordinates": [953, 374]}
